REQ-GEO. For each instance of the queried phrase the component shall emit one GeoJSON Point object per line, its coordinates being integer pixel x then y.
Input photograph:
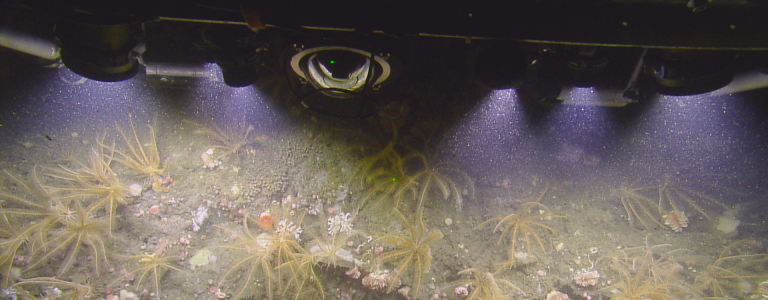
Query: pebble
{"type": "Point", "coordinates": [448, 221]}
{"type": "Point", "coordinates": [15, 273]}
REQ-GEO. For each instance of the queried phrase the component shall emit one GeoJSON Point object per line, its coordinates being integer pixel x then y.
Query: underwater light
{"type": "Point", "coordinates": [542, 92]}
{"type": "Point", "coordinates": [499, 66]}
{"type": "Point", "coordinates": [100, 52]}
{"type": "Point", "coordinates": [238, 51]}
{"type": "Point", "coordinates": [689, 72]}
{"type": "Point", "coordinates": [336, 78]}
{"type": "Point", "coordinates": [543, 83]}
{"type": "Point", "coordinates": [587, 65]}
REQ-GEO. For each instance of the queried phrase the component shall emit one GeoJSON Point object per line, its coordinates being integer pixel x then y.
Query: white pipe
{"type": "Point", "coordinates": [744, 82]}
{"type": "Point", "coordinates": [29, 44]}
{"type": "Point", "coordinates": [579, 96]}
{"type": "Point", "coordinates": [178, 70]}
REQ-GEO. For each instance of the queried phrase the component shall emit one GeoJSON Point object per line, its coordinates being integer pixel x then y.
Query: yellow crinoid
{"type": "Point", "coordinates": [68, 239]}
{"type": "Point", "coordinates": [27, 213]}
{"type": "Point", "coordinates": [154, 265]}
{"type": "Point", "coordinates": [651, 278]}
{"type": "Point", "coordinates": [446, 182]}
{"type": "Point", "coordinates": [272, 253]}
{"type": "Point", "coordinates": [143, 157]}
{"type": "Point", "coordinates": [524, 224]}
{"type": "Point", "coordinates": [396, 171]}
{"type": "Point", "coordinates": [481, 285]}
{"type": "Point", "coordinates": [736, 266]}
{"type": "Point", "coordinates": [230, 139]}
{"type": "Point", "coordinates": [640, 206]}
{"type": "Point", "coordinates": [94, 181]}
{"type": "Point", "coordinates": [412, 253]}
{"type": "Point", "coordinates": [380, 172]}
{"type": "Point", "coordinates": [66, 289]}
{"type": "Point", "coordinates": [676, 197]}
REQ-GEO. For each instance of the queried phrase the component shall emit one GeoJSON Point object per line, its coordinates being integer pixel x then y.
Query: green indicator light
{"type": "Point", "coordinates": [333, 62]}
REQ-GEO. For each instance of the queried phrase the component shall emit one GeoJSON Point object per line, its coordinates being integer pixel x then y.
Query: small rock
{"type": "Point", "coordinates": [200, 258]}
{"type": "Point", "coordinates": [126, 295]}
{"type": "Point", "coordinates": [448, 221]}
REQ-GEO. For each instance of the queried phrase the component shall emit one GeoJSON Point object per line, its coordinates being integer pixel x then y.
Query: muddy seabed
{"type": "Point", "coordinates": [301, 173]}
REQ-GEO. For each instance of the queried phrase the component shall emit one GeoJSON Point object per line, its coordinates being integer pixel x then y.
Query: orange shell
{"type": "Point", "coordinates": [265, 221]}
